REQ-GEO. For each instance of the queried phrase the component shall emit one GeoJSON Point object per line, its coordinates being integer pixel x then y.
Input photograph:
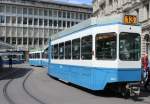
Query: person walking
{"type": "Point", "coordinates": [10, 62]}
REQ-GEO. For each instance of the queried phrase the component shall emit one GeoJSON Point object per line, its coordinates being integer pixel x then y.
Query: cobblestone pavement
{"type": "Point", "coordinates": [32, 85]}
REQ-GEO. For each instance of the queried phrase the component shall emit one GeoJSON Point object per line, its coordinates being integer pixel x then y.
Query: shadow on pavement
{"type": "Point", "coordinates": [110, 93]}
{"type": "Point", "coordinates": [7, 73]}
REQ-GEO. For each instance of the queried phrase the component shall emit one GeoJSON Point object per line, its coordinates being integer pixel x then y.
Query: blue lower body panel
{"type": "Point", "coordinates": [93, 78]}
{"type": "Point", "coordinates": [35, 62]}
{"type": "Point", "coordinates": [45, 64]}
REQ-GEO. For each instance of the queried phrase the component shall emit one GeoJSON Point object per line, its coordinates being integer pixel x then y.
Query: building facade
{"type": "Point", "coordinates": [140, 8]}
{"type": "Point", "coordinates": [28, 24]}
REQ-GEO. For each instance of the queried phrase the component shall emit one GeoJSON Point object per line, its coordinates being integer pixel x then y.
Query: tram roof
{"type": "Point", "coordinates": [108, 20]}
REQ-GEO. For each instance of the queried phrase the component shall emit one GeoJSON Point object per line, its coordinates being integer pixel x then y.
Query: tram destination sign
{"type": "Point", "coordinates": [130, 20]}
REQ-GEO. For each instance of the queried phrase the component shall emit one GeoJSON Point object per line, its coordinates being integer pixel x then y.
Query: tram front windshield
{"type": "Point", "coordinates": [129, 46]}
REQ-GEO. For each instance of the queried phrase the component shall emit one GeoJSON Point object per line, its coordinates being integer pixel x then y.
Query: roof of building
{"type": "Point", "coordinates": [60, 3]}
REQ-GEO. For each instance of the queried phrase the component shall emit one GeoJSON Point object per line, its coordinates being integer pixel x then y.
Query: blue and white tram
{"type": "Point", "coordinates": [35, 58]}
{"type": "Point", "coordinates": [97, 54]}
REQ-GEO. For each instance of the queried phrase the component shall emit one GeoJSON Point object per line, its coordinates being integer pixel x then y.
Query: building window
{"type": "Point", "coordinates": [8, 31]}
{"type": "Point", "coordinates": [41, 22]}
{"type": "Point", "coordinates": [24, 10]}
{"type": "Point", "coordinates": [13, 40]}
{"type": "Point", "coordinates": [72, 15]}
{"type": "Point", "coordinates": [30, 32]}
{"type": "Point", "coordinates": [41, 12]}
{"type": "Point", "coordinates": [14, 9]}
{"type": "Point", "coordinates": [59, 14]}
{"type": "Point", "coordinates": [64, 23]}
{"type": "Point", "coordinates": [72, 23]}
{"type": "Point", "coordinates": [35, 21]}
{"type": "Point", "coordinates": [68, 50]}
{"type": "Point", "coordinates": [14, 32]}
{"type": "Point", "coordinates": [30, 21]}
{"type": "Point", "coordinates": [45, 41]}
{"type": "Point", "coordinates": [68, 23]}
{"type": "Point", "coordinates": [61, 51]}
{"type": "Point", "coordinates": [8, 19]}
{"type": "Point", "coordinates": [19, 31]}
{"type": "Point", "coordinates": [80, 16]}
{"type": "Point", "coordinates": [2, 39]}
{"type": "Point", "coordinates": [59, 23]}
{"type": "Point", "coordinates": [76, 48]}
{"type": "Point", "coordinates": [36, 11]}
{"type": "Point", "coordinates": [19, 21]}
{"type": "Point", "coordinates": [41, 32]}
{"type": "Point", "coordinates": [40, 41]}
{"type": "Point", "coordinates": [55, 23]}
{"type": "Point", "coordinates": [13, 20]}
{"type": "Point", "coordinates": [2, 19]}
{"type": "Point", "coordinates": [86, 47]}
{"type": "Point", "coordinates": [45, 12]}
{"type": "Point", "coordinates": [30, 11]}
{"type": "Point", "coordinates": [25, 21]}
{"type": "Point", "coordinates": [24, 41]}
{"type": "Point", "coordinates": [19, 10]}
{"type": "Point", "coordinates": [35, 41]}
{"type": "Point", "coordinates": [8, 8]}
{"type": "Point", "coordinates": [68, 14]}
{"type": "Point", "coordinates": [50, 22]}
{"type": "Point", "coordinates": [46, 22]}
{"type": "Point", "coordinates": [19, 41]}
{"type": "Point", "coordinates": [2, 9]}
{"type": "Point", "coordinates": [8, 40]}
{"type": "Point", "coordinates": [64, 14]}
{"type": "Point", "coordinates": [30, 41]}
{"type": "Point", "coordinates": [54, 13]}
{"type": "Point", "coordinates": [50, 12]}
{"type": "Point", "coordinates": [36, 32]}
{"type": "Point", "coordinates": [24, 31]}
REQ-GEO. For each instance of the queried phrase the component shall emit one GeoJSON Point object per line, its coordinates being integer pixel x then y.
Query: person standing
{"type": "Point", "coordinates": [10, 62]}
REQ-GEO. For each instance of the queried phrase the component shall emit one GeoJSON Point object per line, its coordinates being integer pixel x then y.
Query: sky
{"type": "Point", "coordinates": [77, 1]}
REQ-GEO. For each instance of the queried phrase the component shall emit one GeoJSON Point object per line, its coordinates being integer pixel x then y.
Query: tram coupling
{"type": "Point", "coordinates": [133, 89]}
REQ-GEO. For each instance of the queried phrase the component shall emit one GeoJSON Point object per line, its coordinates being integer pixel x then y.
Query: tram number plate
{"type": "Point", "coordinates": [129, 19]}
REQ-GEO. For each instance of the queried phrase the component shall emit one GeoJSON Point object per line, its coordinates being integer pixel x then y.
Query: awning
{"type": "Point", "coordinates": [5, 46]}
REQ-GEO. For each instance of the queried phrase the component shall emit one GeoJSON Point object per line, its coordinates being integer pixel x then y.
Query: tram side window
{"type": "Point", "coordinates": [68, 50]}
{"type": "Point", "coordinates": [61, 51]}
{"type": "Point", "coordinates": [86, 47]}
{"type": "Point", "coordinates": [56, 51]}
{"type": "Point", "coordinates": [106, 46]}
{"type": "Point", "coordinates": [76, 48]}
{"type": "Point", "coordinates": [30, 56]}
{"type": "Point", "coordinates": [52, 51]}
{"type": "Point", "coordinates": [38, 55]}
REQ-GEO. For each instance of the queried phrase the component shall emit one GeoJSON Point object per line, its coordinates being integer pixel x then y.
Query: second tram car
{"type": "Point", "coordinates": [39, 58]}
{"type": "Point", "coordinates": [98, 53]}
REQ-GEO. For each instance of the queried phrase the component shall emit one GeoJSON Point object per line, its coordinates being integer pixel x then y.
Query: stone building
{"type": "Point", "coordinates": [140, 8]}
{"type": "Point", "coordinates": [27, 24]}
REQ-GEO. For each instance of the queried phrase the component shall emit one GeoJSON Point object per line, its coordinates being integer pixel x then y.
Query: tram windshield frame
{"type": "Point", "coordinates": [129, 46]}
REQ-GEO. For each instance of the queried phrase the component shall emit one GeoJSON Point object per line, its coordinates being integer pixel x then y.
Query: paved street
{"type": "Point", "coordinates": [32, 85]}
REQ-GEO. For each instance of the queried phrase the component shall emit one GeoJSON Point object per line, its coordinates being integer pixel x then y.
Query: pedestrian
{"type": "Point", "coordinates": [145, 63]}
{"type": "Point", "coordinates": [1, 63]}
{"type": "Point", "coordinates": [10, 62]}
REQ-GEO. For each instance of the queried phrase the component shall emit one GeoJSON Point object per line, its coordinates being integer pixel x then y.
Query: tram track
{"type": "Point", "coordinates": [25, 89]}
{"type": "Point", "coordinates": [6, 93]}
